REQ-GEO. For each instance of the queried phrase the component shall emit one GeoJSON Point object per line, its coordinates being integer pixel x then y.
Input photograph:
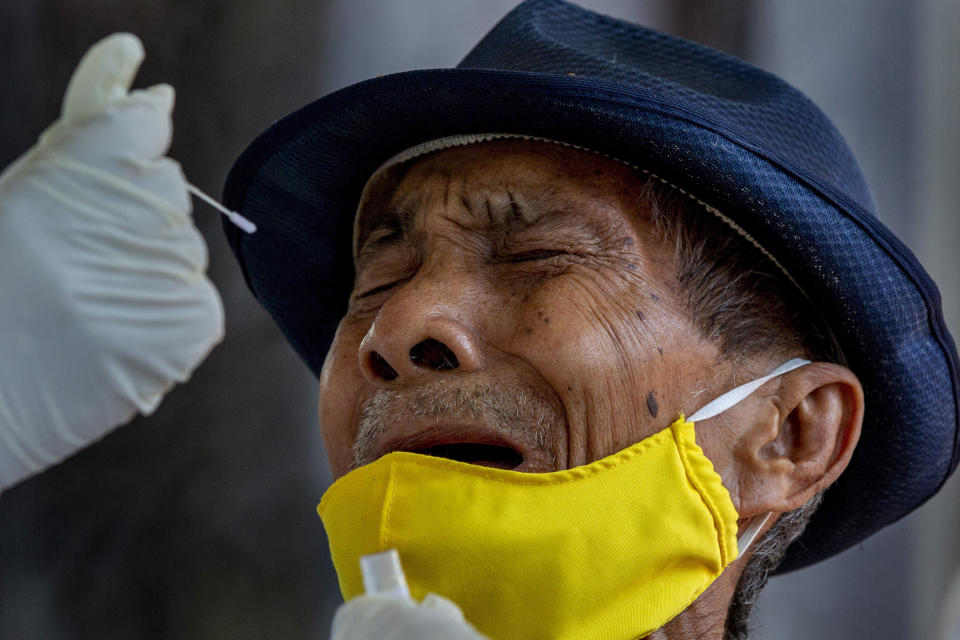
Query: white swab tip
{"type": "Point", "coordinates": [242, 222]}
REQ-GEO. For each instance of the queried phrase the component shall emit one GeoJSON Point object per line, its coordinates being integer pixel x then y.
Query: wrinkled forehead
{"type": "Point", "coordinates": [542, 169]}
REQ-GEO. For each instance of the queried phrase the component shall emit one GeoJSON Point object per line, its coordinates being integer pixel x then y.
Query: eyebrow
{"type": "Point", "coordinates": [520, 215]}
{"type": "Point", "coordinates": [396, 225]}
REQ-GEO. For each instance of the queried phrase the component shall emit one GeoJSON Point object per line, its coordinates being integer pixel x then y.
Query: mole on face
{"type": "Point", "coordinates": [652, 404]}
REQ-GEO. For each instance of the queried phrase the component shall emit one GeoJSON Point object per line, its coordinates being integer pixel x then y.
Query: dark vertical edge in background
{"type": "Point", "coordinates": [721, 24]}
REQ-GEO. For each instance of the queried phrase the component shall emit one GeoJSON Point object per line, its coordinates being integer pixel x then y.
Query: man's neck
{"type": "Point", "coordinates": [705, 618]}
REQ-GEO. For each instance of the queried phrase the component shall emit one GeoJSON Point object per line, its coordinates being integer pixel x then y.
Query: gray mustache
{"type": "Point", "coordinates": [519, 412]}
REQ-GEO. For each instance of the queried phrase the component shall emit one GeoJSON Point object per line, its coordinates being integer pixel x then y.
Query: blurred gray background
{"type": "Point", "coordinates": [199, 522]}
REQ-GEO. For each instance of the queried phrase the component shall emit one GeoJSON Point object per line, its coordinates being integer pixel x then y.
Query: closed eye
{"type": "Point", "coordinates": [376, 290]}
{"type": "Point", "coordinates": [532, 256]}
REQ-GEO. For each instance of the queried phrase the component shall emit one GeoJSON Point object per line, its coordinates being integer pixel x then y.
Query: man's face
{"type": "Point", "coordinates": [513, 306]}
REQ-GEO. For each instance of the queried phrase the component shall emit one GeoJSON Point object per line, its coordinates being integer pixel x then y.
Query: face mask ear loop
{"type": "Point", "coordinates": [753, 529]}
{"type": "Point", "coordinates": [722, 403]}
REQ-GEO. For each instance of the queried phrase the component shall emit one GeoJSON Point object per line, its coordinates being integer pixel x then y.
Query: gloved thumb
{"type": "Point", "coordinates": [104, 74]}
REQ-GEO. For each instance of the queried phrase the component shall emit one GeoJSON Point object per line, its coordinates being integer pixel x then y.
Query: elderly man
{"type": "Point", "coordinates": [600, 318]}
{"type": "Point", "coordinates": [529, 306]}
{"type": "Point", "coordinates": [582, 232]}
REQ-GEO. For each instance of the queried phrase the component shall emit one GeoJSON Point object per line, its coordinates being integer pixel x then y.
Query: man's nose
{"type": "Point", "coordinates": [417, 333]}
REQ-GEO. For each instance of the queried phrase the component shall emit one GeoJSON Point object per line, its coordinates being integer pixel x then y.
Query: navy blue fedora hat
{"type": "Point", "coordinates": [738, 138]}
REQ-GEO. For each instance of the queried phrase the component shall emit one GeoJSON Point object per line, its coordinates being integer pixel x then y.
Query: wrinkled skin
{"type": "Point", "coordinates": [545, 281]}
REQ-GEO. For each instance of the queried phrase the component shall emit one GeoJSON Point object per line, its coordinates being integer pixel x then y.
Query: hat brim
{"type": "Point", "coordinates": [300, 182]}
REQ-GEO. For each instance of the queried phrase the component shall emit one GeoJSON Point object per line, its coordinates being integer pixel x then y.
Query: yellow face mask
{"type": "Point", "coordinates": [610, 550]}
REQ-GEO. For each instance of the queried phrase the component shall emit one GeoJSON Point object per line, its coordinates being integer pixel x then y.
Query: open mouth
{"type": "Point", "coordinates": [484, 455]}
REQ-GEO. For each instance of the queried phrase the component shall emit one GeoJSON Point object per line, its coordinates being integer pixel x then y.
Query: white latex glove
{"type": "Point", "coordinates": [104, 300]}
{"type": "Point", "coordinates": [375, 617]}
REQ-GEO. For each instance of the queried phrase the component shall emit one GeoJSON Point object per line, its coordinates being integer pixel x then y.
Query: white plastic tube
{"type": "Point", "coordinates": [383, 575]}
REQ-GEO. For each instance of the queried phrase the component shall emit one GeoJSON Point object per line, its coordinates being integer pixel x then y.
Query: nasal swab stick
{"type": "Point", "coordinates": [234, 217]}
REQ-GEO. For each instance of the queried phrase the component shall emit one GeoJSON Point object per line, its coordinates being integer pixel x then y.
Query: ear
{"type": "Point", "coordinates": [803, 444]}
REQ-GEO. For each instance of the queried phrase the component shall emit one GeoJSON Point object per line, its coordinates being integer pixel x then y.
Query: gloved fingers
{"type": "Point", "coordinates": [163, 96]}
{"type": "Point", "coordinates": [442, 605]}
{"type": "Point", "coordinates": [129, 252]}
{"type": "Point", "coordinates": [367, 613]}
{"type": "Point", "coordinates": [138, 124]}
{"type": "Point", "coordinates": [99, 217]}
{"type": "Point", "coordinates": [104, 75]}
{"type": "Point", "coordinates": [148, 196]}
{"type": "Point", "coordinates": [176, 328]}
{"type": "Point", "coordinates": [158, 185]}
{"type": "Point", "coordinates": [163, 179]}
{"type": "Point", "coordinates": [145, 302]}
{"type": "Point", "coordinates": [152, 109]}
{"type": "Point", "coordinates": [367, 617]}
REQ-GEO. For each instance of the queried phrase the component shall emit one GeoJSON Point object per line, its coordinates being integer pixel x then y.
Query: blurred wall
{"type": "Point", "coordinates": [199, 521]}
{"type": "Point", "coordinates": [935, 548]}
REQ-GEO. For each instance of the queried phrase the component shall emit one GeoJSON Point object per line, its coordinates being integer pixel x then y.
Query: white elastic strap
{"type": "Point", "coordinates": [722, 403]}
{"type": "Point", "coordinates": [725, 401]}
{"type": "Point", "coordinates": [751, 532]}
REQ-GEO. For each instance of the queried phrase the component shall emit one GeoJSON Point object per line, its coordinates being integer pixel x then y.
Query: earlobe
{"type": "Point", "coordinates": [801, 448]}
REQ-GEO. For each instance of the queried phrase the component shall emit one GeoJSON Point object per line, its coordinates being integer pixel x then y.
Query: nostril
{"type": "Point", "coordinates": [434, 354]}
{"type": "Point", "coordinates": [381, 368]}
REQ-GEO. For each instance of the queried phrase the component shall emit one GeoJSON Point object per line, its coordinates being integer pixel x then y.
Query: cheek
{"type": "Point", "coordinates": [596, 342]}
{"type": "Point", "coordinates": [590, 323]}
{"type": "Point", "coordinates": [341, 385]}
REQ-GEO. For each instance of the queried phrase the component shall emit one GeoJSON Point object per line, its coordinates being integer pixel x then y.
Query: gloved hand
{"type": "Point", "coordinates": [104, 300]}
{"type": "Point", "coordinates": [376, 617]}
